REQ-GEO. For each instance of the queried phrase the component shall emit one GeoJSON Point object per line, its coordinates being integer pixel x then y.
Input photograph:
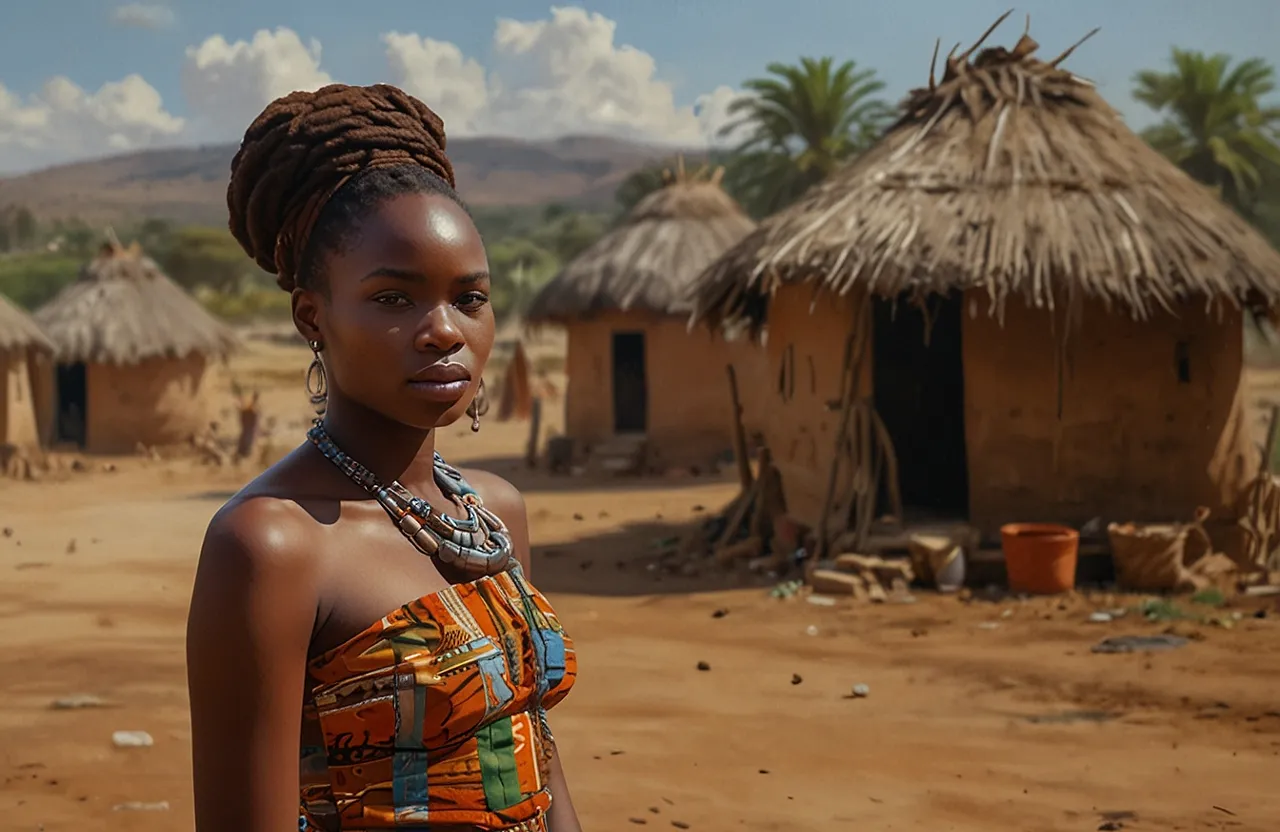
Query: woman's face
{"type": "Point", "coordinates": [407, 326]}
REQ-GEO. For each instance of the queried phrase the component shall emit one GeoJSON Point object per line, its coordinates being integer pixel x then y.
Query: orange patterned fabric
{"type": "Point", "coordinates": [435, 717]}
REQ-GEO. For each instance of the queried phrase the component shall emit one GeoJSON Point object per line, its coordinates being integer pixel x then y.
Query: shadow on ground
{"type": "Point", "coordinates": [625, 562]}
{"type": "Point", "coordinates": [529, 480]}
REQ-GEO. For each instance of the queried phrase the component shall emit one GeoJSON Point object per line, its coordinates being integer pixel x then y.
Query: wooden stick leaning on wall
{"type": "Point", "coordinates": [759, 511]}
{"type": "Point", "coordinates": [1260, 522]}
{"type": "Point", "coordinates": [850, 380]}
{"type": "Point", "coordinates": [739, 432]}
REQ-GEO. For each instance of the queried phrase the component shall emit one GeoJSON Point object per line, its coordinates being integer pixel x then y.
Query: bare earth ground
{"type": "Point", "coordinates": [981, 716]}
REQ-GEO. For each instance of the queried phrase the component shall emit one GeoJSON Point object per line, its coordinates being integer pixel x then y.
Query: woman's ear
{"type": "Point", "coordinates": [306, 314]}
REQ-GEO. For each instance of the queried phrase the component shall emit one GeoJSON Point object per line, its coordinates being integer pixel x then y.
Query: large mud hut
{"type": "Point", "coordinates": [25, 354]}
{"type": "Point", "coordinates": [1050, 313]}
{"type": "Point", "coordinates": [634, 367]}
{"type": "Point", "coordinates": [137, 357]}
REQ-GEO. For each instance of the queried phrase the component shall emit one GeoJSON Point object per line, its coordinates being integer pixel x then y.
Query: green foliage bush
{"type": "Point", "coordinates": [527, 245]}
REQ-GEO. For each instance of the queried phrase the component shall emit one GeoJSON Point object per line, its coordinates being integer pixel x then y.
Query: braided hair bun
{"type": "Point", "coordinates": [307, 145]}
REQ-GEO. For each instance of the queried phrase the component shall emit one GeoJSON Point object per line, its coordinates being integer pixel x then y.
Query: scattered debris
{"type": "Point", "coordinates": [859, 692]}
{"type": "Point", "coordinates": [1140, 644]}
{"type": "Point", "coordinates": [132, 739]}
{"type": "Point", "coordinates": [136, 806]}
{"type": "Point", "coordinates": [78, 701]}
{"type": "Point", "coordinates": [703, 666]}
{"type": "Point", "coordinates": [786, 589]}
{"type": "Point", "coordinates": [796, 678]}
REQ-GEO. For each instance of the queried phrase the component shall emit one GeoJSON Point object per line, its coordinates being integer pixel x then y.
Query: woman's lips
{"type": "Point", "coordinates": [446, 392]}
{"type": "Point", "coordinates": [445, 382]}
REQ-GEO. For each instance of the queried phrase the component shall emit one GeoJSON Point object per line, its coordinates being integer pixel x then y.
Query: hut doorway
{"type": "Point", "coordinates": [73, 401]}
{"type": "Point", "coordinates": [630, 388]}
{"type": "Point", "coordinates": [918, 384]}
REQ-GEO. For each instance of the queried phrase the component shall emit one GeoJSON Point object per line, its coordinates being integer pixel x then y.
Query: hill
{"type": "Point", "coordinates": [188, 184]}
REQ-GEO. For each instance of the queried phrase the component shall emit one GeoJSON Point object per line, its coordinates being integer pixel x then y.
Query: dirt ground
{"type": "Point", "coordinates": [981, 715]}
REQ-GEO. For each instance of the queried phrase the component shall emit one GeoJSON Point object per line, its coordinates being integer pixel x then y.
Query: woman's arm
{"type": "Point", "coordinates": [248, 632]}
{"type": "Point", "coordinates": [503, 499]}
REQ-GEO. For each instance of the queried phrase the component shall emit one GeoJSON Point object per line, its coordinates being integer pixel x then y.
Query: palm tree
{"type": "Point", "coordinates": [1217, 126]}
{"type": "Point", "coordinates": [802, 123]}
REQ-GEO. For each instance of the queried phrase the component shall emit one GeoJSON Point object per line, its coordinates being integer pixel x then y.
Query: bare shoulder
{"type": "Point", "coordinates": [258, 527]}
{"type": "Point", "coordinates": [261, 536]}
{"type": "Point", "coordinates": [266, 524]}
{"type": "Point", "coordinates": [498, 494]}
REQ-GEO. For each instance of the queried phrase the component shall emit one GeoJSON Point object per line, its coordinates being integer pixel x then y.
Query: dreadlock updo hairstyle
{"type": "Point", "coordinates": [314, 164]}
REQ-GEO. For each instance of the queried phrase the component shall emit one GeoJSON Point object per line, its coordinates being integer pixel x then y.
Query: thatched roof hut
{"type": "Point", "coordinates": [633, 365]}
{"type": "Point", "coordinates": [649, 261]}
{"type": "Point", "coordinates": [1008, 187]}
{"type": "Point", "coordinates": [124, 310]}
{"type": "Point", "coordinates": [134, 352]}
{"type": "Point", "coordinates": [1012, 176]}
{"type": "Point", "coordinates": [18, 331]}
{"type": "Point", "coordinates": [24, 364]}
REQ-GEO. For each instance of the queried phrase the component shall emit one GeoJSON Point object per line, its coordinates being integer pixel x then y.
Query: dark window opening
{"type": "Point", "coordinates": [1182, 358]}
{"type": "Point", "coordinates": [630, 385]}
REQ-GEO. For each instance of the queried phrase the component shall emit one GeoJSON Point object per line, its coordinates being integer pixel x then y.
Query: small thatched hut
{"type": "Point", "coordinates": [1070, 345]}
{"type": "Point", "coordinates": [634, 367]}
{"type": "Point", "coordinates": [25, 354]}
{"type": "Point", "coordinates": [134, 355]}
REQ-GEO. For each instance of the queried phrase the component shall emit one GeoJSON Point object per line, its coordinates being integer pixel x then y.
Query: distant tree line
{"type": "Point", "coordinates": [526, 247]}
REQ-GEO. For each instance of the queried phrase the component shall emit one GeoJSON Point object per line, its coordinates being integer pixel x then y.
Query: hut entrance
{"type": "Point", "coordinates": [630, 394]}
{"type": "Point", "coordinates": [918, 384]}
{"type": "Point", "coordinates": [73, 400]}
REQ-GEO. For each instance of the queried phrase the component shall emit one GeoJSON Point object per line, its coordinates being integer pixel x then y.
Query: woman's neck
{"type": "Point", "coordinates": [391, 450]}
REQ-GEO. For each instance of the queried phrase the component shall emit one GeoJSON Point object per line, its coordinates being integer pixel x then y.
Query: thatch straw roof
{"type": "Point", "coordinates": [1012, 175]}
{"type": "Point", "coordinates": [18, 331]}
{"type": "Point", "coordinates": [649, 261]}
{"type": "Point", "coordinates": [123, 310]}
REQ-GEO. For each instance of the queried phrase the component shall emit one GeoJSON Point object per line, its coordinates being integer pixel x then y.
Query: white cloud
{"type": "Point", "coordinates": [553, 77]}
{"type": "Point", "coordinates": [712, 110]}
{"type": "Point", "coordinates": [228, 84]}
{"type": "Point", "coordinates": [438, 72]}
{"type": "Point", "coordinates": [561, 75]}
{"type": "Point", "coordinates": [144, 15]}
{"type": "Point", "coordinates": [63, 121]}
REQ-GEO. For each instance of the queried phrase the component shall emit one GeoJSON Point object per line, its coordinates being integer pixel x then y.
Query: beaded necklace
{"type": "Point", "coordinates": [478, 544]}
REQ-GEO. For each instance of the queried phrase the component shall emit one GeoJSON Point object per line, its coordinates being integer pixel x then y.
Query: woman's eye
{"type": "Point", "coordinates": [392, 299]}
{"type": "Point", "coordinates": [473, 300]}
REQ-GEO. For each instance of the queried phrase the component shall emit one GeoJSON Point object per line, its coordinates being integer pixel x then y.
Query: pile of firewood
{"type": "Point", "coordinates": [753, 529]}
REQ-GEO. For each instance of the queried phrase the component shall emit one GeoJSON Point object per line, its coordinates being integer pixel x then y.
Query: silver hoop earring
{"type": "Point", "coordinates": [479, 405]}
{"type": "Point", "coordinates": [317, 382]}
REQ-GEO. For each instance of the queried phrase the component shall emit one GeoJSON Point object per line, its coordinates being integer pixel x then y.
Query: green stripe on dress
{"type": "Point", "coordinates": [497, 752]}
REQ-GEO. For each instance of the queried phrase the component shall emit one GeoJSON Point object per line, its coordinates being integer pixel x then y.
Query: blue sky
{"type": "Point", "coordinates": [697, 46]}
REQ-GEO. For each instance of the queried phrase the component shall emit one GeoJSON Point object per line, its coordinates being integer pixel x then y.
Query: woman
{"type": "Point", "coordinates": [429, 714]}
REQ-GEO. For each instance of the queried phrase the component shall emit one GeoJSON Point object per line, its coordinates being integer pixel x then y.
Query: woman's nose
{"type": "Point", "coordinates": [438, 332]}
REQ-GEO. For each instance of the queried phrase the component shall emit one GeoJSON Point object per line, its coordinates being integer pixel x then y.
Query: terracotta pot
{"type": "Point", "coordinates": [1040, 558]}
